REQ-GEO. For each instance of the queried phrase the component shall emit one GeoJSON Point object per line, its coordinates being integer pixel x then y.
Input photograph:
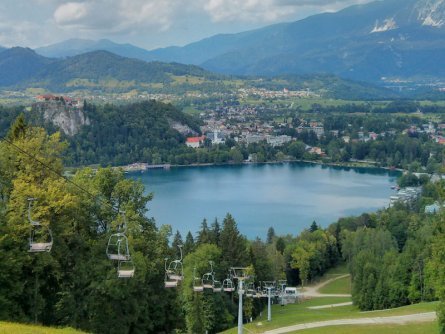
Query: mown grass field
{"type": "Point", "coordinates": [341, 285]}
{"type": "Point", "coordinates": [421, 328]}
{"type": "Point", "coordinates": [14, 328]}
{"type": "Point", "coordinates": [283, 316]}
{"type": "Point", "coordinates": [293, 314]}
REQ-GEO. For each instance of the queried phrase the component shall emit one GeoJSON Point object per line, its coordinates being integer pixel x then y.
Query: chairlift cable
{"type": "Point", "coordinates": [57, 173]}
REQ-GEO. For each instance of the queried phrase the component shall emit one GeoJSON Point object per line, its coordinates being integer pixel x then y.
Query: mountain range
{"type": "Point", "coordinates": [391, 38]}
{"type": "Point", "coordinates": [74, 47]}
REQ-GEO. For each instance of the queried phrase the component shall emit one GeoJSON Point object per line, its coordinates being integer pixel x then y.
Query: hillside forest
{"type": "Point", "coordinates": [395, 256]}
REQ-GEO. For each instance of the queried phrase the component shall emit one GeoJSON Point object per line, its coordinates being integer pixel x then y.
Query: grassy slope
{"type": "Point", "coordinates": [288, 315]}
{"type": "Point", "coordinates": [342, 285]}
{"type": "Point", "coordinates": [423, 328]}
{"type": "Point", "coordinates": [13, 328]}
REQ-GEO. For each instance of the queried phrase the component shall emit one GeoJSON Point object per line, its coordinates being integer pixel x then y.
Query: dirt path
{"type": "Point", "coordinates": [312, 291]}
{"type": "Point", "coordinates": [395, 320]}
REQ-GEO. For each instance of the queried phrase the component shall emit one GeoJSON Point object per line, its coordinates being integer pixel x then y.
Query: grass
{"type": "Point", "coordinates": [14, 328]}
{"type": "Point", "coordinates": [294, 314]}
{"type": "Point", "coordinates": [341, 285]}
{"type": "Point", "coordinates": [420, 328]}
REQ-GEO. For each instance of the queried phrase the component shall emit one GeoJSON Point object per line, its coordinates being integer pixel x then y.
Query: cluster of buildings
{"type": "Point", "coordinates": [272, 94]}
{"type": "Point", "coordinates": [67, 101]}
{"type": "Point", "coordinates": [405, 196]}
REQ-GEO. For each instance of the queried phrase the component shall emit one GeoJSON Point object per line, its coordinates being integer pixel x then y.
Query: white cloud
{"type": "Point", "coordinates": [270, 10]}
{"type": "Point", "coordinates": [71, 12]}
{"type": "Point", "coordinates": [40, 22]}
{"type": "Point", "coordinates": [117, 15]}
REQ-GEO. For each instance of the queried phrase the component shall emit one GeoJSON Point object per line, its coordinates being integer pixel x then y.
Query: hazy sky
{"type": "Point", "coordinates": [146, 23]}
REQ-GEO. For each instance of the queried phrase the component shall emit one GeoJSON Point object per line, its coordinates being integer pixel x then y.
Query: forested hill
{"type": "Point", "coordinates": [22, 67]}
{"type": "Point", "coordinates": [120, 135]}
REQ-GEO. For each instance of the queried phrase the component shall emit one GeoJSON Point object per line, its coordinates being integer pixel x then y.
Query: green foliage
{"type": "Point", "coordinates": [313, 253]}
{"type": "Point", "coordinates": [75, 284]}
{"type": "Point", "coordinates": [121, 135]}
{"type": "Point", "coordinates": [436, 270]}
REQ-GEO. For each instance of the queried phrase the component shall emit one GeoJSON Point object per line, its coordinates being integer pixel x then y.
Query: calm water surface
{"type": "Point", "coordinates": [286, 196]}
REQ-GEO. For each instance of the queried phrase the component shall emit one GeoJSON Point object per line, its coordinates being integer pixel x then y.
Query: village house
{"type": "Point", "coordinates": [195, 142]}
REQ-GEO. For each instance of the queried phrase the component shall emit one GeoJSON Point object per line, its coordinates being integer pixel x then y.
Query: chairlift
{"type": "Point", "coordinates": [208, 278]}
{"type": "Point", "coordinates": [41, 238]}
{"type": "Point", "coordinates": [175, 269]}
{"type": "Point", "coordinates": [117, 247]}
{"type": "Point", "coordinates": [197, 282]}
{"type": "Point", "coordinates": [250, 291]}
{"type": "Point", "coordinates": [125, 269]}
{"type": "Point", "coordinates": [228, 285]}
{"type": "Point", "coordinates": [168, 281]}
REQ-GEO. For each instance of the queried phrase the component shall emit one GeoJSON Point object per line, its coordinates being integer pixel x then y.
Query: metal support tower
{"type": "Point", "coordinates": [240, 306]}
{"type": "Point", "coordinates": [269, 310]}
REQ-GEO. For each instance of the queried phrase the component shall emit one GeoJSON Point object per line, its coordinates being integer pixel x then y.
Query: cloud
{"type": "Point", "coordinates": [127, 15]}
{"type": "Point", "coordinates": [117, 15]}
{"type": "Point", "coordinates": [40, 22]}
{"type": "Point", "coordinates": [71, 13]}
{"type": "Point", "coordinates": [270, 10]}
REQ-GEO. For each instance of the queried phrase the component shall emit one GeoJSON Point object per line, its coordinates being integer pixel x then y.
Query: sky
{"type": "Point", "coordinates": [148, 24]}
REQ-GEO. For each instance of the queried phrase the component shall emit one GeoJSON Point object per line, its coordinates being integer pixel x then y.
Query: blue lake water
{"type": "Point", "coordinates": [286, 196]}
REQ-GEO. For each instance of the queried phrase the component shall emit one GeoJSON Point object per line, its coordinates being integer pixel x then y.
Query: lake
{"type": "Point", "coordinates": [286, 196]}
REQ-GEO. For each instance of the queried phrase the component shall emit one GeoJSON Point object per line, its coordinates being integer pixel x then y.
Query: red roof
{"type": "Point", "coordinates": [195, 139]}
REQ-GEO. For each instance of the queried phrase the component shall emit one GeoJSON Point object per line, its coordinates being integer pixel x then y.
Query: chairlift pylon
{"type": "Point", "coordinates": [41, 238]}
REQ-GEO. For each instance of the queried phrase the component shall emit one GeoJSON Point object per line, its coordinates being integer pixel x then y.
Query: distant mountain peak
{"type": "Point", "coordinates": [386, 25]}
{"type": "Point", "coordinates": [431, 12]}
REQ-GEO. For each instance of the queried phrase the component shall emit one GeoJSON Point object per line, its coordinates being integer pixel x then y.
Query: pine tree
{"type": "Point", "coordinates": [18, 129]}
{"type": "Point", "coordinates": [270, 235]}
{"type": "Point", "coordinates": [189, 245]}
{"type": "Point", "coordinates": [233, 244]}
{"type": "Point", "coordinates": [314, 227]}
{"type": "Point", "coordinates": [177, 241]}
{"type": "Point", "coordinates": [204, 236]}
{"type": "Point", "coordinates": [215, 232]}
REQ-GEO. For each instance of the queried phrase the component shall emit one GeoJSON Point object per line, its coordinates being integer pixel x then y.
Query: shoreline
{"type": "Point", "coordinates": [142, 167]}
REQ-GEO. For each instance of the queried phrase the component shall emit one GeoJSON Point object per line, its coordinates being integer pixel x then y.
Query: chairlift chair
{"type": "Point", "coordinates": [175, 269]}
{"type": "Point", "coordinates": [171, 280]}
{"type": "Point", "coordinates": [117, 247]}
{"type": "Point", "coordinates": [228, 285]}
{"type": "Point", "coordinates": [41, 238]}
{"type": "Point", "coordinates": [125, 269]}
{"type": "Point", "coordinates": [250, 290]}
{"type": "Point", "coordinates": [207, 280]}
{"type": "Point", "coordinates": [46, 240]}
